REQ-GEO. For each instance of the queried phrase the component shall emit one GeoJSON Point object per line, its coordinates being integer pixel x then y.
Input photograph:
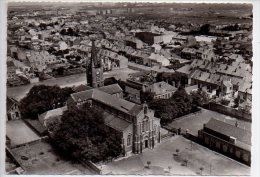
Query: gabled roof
{"type": "Point", "coordinates": [81, 88]}
{"type": "Point", "coordinates": [161, 88]}
{"type": "Point", "coordinates": [186, 69]}
{"type": "Point", "coordinates": [10, 102]}
{"type": "Point", "coordinates": [115, 122]}
{"type": "Point", "coordinates": [107, 99]}
{"type": "Point", "coordinates": [52, 113]}
{"type": "Point", "coordinates": [111, 89]}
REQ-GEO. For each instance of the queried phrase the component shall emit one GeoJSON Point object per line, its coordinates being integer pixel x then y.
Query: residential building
{"type": "Point", "coordinates": [12, 109]}
{"type": "Point", "coordinates": [161, 90]}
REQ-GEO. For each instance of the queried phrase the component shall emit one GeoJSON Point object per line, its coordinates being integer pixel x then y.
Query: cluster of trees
{"type": "Point", "coordinates": [82, 134]}
{"type": "Point", "coordinates": [42, 98]}
{"type": "Point", "coordinates": [173, 79]}
{"type": "Point", "coordinates": [146, 96]}
{"type": "Point", "coordinates": [224, 101]}
{"type": "Point", "coordinates": [113, 80]}
{"type": "Point", "coordinates": [199, 97]}
{"type": "Point", "coordinates": [70, 32]}
{"type": "Point", "coordinates": [178, 105]}
{"type": "Point", "coordinates": [234, 27]}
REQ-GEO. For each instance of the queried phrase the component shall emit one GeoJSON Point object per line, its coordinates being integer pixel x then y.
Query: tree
{"type": "Point", "coordinates": [236, 102]}
{"type": "Point", "coordinates": [146, 96]}
{"type": "Point", "coordinates": [185, 162]}
{"type": "Point", "coordinates": [201, 169]}
{"type": "Point", "coordinates": [60, 71]}
{"type": "Point", "coordinates": [224, 101]}
{"type": "Point", "coordinates": [178, 105]}
{"type": "Point", "coordinates": [148, 164]}
{"type": "Point", "coordinates": [169, 167]}
{"type": "Point", "coordinates": [204, 29]}
{"type": "Point", "coordinates": [83, 134]}
{"type": "Point", "coordinates": [110, 81]}
{"type": "Point", "coordinates": [199, 97]}
{"type": "Point", "coordinates": [177, 151]}
{"type": "Point", "coordinates": [42, 98]}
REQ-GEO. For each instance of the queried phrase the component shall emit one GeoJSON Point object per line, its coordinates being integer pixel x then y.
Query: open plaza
{"type": "Point", "coordinates": [189, 159]}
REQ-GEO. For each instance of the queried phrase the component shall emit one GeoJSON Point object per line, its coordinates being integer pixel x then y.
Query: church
{"type": "Point", "coordinates": [135, 123]}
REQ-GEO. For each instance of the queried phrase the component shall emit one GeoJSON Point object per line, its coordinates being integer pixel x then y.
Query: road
{"type": "Point", "coordinates": [67, 81]}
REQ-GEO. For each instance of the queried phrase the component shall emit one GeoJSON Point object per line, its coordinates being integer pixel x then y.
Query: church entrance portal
{"type": "Point", "coordinates": [146, 143]}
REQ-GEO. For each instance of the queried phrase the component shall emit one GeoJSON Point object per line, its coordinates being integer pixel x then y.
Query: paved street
{"type": "Point", "coordinates": [68, 81]}
{"type": "Point", "coordinates": [162, 157]}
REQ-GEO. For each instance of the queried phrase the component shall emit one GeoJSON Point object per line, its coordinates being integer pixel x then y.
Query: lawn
{"type": "Point", "coordinates": [19, 133]}
{"type": "Point", "coordinates": [164, 156]}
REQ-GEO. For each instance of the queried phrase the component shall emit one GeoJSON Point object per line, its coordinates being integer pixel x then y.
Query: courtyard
{"type": "Point", "coordinates": [189, 159]}
{"type": "Point", "coordinates": [19, 133]}
{"type": "Point", "coordinates": [194, 122]}
{"type": "Point", "coordinates": [41, 159]}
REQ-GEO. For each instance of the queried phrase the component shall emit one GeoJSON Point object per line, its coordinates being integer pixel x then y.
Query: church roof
{"type": "Point", "coordinates": [115, 122]}
{"type": "Point", "coordinates": [107, 99]}
{"type": "Point", "coordinates": [111, 89]}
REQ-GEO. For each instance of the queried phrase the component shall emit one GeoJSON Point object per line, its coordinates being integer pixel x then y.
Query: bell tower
{"type": "Point", "coordinates": [94, 69]}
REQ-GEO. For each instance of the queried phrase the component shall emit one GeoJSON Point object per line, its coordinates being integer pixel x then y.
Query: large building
{"type": "Point", "coordinates": [135, 123]}
{"type": "Point", "coordinates": [228, 139]}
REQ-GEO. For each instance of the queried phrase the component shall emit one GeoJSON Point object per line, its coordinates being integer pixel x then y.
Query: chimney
{"type": "Point", "coordinates": [232, 140]}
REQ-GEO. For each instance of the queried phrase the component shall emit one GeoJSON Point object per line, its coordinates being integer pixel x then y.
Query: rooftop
{"type": "Point", "coordinates": [229, 130]}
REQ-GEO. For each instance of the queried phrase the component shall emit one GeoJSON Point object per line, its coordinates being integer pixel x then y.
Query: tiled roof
{"type": "Point", "coordinates": [115, 122]}
{"type": "Point", "coordinates": [81, 88]}
{"type": "Point", "coordinates": [161, 88]}
{"type": "Point", "coordinates": [185, 69]}
{"type": "Point", "coordinates": [107, 99]}
{"type": "Point", "coordinates": [111, 89]}
{"type": "Point", "coordinates": [53, 113]}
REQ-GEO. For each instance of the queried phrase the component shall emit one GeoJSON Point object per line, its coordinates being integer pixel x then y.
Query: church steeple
{"type": "Point", "coordinates": [94, 69]}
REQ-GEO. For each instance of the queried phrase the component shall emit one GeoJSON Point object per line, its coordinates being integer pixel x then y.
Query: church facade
{"type": "Point", "coordinates": [136, 124]}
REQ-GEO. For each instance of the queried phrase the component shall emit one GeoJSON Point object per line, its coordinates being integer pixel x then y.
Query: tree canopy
{"type": "Point", "coordinates": [42, 98]}
{"type": "Point", "coordinates": [83, 134]}
{"type": "Point", "coordinates": [178, 105]}
{"type": "Point", "coordinates": [199, 97]}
